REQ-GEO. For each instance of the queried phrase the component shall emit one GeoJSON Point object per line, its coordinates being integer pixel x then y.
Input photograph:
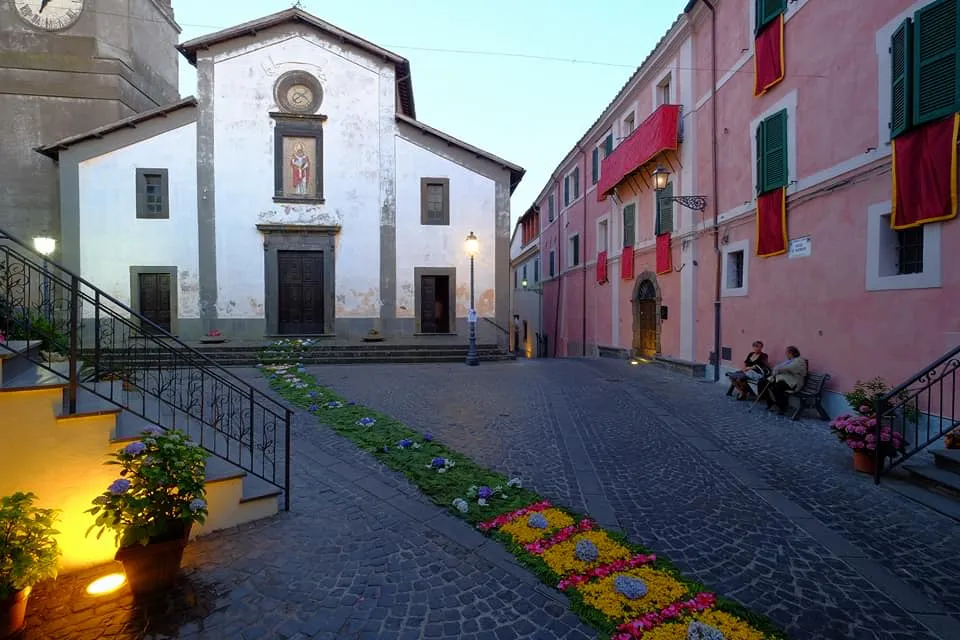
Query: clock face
{"type": "Point", "coordinates": [299, 96]}
{"type": "Point", "coordinates": [49, 15]}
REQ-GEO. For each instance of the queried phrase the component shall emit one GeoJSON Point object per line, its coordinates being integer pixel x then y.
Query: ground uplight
{"type": "Point", "coordinates": [106, 584]}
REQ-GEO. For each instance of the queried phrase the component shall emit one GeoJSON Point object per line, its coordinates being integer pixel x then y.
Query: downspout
{"type": "Point", "coordinates": [714, 189]}
{"type": "Point", "coordinates": [558, 267]}
{"type": "Point", "coordinates": [583, 253]}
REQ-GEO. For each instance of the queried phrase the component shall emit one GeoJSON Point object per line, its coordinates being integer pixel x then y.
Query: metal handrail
{"type": "Point", "coordinates": [184, 383]}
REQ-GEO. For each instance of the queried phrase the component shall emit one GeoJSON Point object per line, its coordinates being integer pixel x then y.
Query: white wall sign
{"type": "Point", "coordinates": [800, 247]}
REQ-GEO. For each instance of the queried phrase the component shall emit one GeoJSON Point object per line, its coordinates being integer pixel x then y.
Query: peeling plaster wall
{"type": "Point", "coordinates": [472, 208]}
{"type": "Point", "coordinates": [112, 237]}
{"type": "Point", "coordinates": [244, 78]}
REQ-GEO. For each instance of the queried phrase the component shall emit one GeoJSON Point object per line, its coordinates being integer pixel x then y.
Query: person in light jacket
{"type": "Point", "coordinates": [786, 377]}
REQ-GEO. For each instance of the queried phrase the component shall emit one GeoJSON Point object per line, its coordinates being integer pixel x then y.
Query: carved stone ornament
{"type": "Point", "coordinates": [298, 92]}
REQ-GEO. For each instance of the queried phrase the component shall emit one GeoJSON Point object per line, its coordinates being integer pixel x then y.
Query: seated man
{"type": "Point", "coordinates": [755, 368]}
{"type": "Point", "coordinates": [786, 377]}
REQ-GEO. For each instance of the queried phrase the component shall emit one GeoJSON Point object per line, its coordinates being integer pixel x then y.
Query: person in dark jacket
{"type": "Point", "coordinates": [755, 368]}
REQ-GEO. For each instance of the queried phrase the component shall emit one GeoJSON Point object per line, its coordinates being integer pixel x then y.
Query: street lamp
{"type": "Point", "coordinates": [539, 292]}
{"type": "Point", "coordinates": [472, 246]}
{"type": "Point", "coordinates": [45, 246]}
{"type": "Point", "coordinates": [660, 178]}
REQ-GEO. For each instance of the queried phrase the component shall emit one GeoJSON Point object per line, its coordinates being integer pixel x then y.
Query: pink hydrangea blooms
{"type": "Point", "coordinates": [636, 628]}
{"type": "Point", "coordinates": [859, 432]}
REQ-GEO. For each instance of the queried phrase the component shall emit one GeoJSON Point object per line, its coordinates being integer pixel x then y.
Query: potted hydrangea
{"type": "Point", "coordinates": [152, 505]}
{"type": "Point", "coordinates": [860, 434]}
{"type": "Point", "coordinates": [28, 554]}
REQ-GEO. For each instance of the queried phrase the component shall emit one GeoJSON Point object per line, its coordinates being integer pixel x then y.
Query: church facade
{"type": "Point", "coordinates": [297, 194]}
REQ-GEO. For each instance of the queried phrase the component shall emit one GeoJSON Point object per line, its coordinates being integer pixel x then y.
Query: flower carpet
{"type": "Point", "coordinates": [622, 589]}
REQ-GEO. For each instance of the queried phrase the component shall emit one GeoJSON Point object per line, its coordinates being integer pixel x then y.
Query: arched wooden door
{"type": "Point", "coordinates": [645, 320]}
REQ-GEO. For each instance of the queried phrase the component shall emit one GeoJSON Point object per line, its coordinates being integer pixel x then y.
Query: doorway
{"type": "Point", "coordinates": [646, 319]}
{"type": "Point", "coordinates": [154, 300]}
{"type": "Point", "coordinates": [435, 304]}
{"type": "Point", "coordinates": [300, 299]}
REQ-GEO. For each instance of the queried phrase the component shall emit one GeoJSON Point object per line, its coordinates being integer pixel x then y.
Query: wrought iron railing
{"type": "Point", "coordinates": [92, 342]}
{"type": "Point", "coordinates": [923, 409]}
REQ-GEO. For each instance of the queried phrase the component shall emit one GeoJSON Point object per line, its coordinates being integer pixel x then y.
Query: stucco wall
{"type": "Point", "coordinates": [243, 80]}
{"type": "Point", "coordinates": [472, 208]}
{"type": "Point", "coordinates": [112, 238]}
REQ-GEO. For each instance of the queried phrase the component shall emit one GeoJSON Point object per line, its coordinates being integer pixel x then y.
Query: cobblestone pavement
{"type": "Point", "coordinates": [763, 509]}
{"type": "Point", "coordinates": [361, 555]}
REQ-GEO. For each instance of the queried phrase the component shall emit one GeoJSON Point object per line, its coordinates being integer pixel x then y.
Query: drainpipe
{"type": "Point", "coordinates": [583, 262]}
{"type": "Point", "coordinates": [558, 268]}
{"type": "Point", "coordinates": [714, 189]}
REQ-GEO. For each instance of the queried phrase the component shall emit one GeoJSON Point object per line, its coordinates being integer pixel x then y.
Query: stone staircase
{"type": "Point", "coordinates": [60, 455]}
{"type": "Point", "coordinates": [940, 472]}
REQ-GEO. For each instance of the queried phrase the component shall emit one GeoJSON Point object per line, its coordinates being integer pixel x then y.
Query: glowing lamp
{"type": "Point", "coordinates": [44, 246]}
{"type": "Point", "coordinates": [660, 178]}
{"type": "Point", "coordinates": [472, 245]}
{"type": "Point", "coordinates": [106, 584]}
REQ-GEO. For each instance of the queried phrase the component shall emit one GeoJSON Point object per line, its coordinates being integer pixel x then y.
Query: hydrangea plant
{"type": "Point", "coordinates": [586, 551]}
{"type": "Point", "coordinates": [630, 587]}
{"type": "Point", "coordinates": [160, 491]}
{"type": "Point", "coordinates": [28, 549]}
{"type": "Point", "coordinates": [537, 521]}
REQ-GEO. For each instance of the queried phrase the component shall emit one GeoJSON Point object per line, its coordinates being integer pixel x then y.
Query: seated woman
{"type": "Point", "coordinates": [786, 377]}
{"type": "Point", "coordinates": [755, 368]}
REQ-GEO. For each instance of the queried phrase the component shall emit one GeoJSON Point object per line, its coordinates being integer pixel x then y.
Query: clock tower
{"type": "Point", "coordinates": [66, 67]}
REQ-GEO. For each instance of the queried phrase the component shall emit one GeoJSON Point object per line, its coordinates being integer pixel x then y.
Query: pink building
{"type": "Point", "coordinates": [814, 88]}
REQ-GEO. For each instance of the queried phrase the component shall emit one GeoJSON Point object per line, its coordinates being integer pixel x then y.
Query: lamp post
{"type": "Point", "coordinates": [660, 178]}
{"type": "Point", "coordinates": [472, 246]}
{"type": "Point", "coordinates": [45, 246]}
{"type": "Point", "coordinates": [539, 292]}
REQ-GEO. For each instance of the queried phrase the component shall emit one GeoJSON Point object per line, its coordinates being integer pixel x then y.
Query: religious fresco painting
{"type": "Point", "coordinates": [299, 165]}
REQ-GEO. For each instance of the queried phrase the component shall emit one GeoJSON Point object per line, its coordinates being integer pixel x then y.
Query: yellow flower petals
{"type": "Point", "coordinates": [732, 628]}
{"type": "Point", "coordinates": [522, 533]}
{"type": "Point", "coordinates": [662, 590]}
{"type": "Point", "coordinates": [562, 560]}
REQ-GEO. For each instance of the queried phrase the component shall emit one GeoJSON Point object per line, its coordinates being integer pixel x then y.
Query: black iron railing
{"type": "Point", "coordinates": [923, 409]}
{"type": "Point", "coordinates": [92, 342]}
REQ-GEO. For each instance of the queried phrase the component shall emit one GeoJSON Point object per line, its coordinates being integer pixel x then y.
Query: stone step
{"type": "Point", "coordinates": [930, 475]}
{"type": "Point", "coordinates": [16, 356]}
{"type": "Point", "coordinates": [241, 359]}
{"type": "Point", "coordinates": [947, 459]}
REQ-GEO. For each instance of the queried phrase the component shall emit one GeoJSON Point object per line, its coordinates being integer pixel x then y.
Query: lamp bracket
{"type": "Point", "coordinates": [697, 203]}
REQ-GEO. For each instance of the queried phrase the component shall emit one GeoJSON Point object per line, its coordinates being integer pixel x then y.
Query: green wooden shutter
{"type": "Point", "coordinates": [901, 58]}
{"type": "Point", "coordinates": [664, 221]}
{"type": "Point", "coordinates": [629, 225]}
{"type": "Point", "coordinates": [775, 174]}
{"type": "Point", "coordinates": [595, 161]}
{"type": "Point", "coordinates": [767, 11]}
{"type": "Point", "coordinates": [761, 145]}
{"type": "Point", "coordinates": [576, 250]}
{"type": "Point", "coordinates": [576, 183]}
{"type": "Point", "coordinates": [608, 146]}
{"type": "Point", "coordinates": [936, 87]}
{"type": "Point", "coordinates": [566, 191]}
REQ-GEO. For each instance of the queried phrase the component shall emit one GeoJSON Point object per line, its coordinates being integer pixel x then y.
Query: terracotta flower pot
{"type": "Point", "coordinates": [13, 611]}
{"type": "Point", "coordinates": [154, 566]}
{"type": "Point", "coordinates": [863, 461]}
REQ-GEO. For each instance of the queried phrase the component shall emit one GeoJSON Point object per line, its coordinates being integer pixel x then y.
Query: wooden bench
{"type": "Point", "coordinates": [811, 394]}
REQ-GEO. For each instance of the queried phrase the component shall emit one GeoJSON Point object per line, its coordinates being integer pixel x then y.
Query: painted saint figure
{"type": "Point", "coordinates": [300, 165]}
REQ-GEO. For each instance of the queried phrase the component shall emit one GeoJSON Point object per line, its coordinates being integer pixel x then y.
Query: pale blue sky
{"type": "Point", "coordinates": [527, 110]}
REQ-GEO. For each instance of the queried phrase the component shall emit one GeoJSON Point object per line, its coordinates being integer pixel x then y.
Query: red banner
{"type": "Point", "coordinates": [664, 256]}
{"type": "Point", "coordinates": [772, 223]}
{"type": "Point", "coordinates": [601, 267]}
{"type": "Point", "coordinates": [769, 58]}
{"type": "Point", "coordinates": [626, 264]}
{"type": "Point", "coordinates": [925, 174]}
{"type": "Point", "coordinates": [656, 134]}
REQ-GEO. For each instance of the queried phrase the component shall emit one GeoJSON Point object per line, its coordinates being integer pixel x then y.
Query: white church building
{"type": "Point", "coordinates": [297, 194]}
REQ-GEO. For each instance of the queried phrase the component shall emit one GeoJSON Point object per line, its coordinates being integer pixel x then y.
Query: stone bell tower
{"type": "Point", "coordinates": [66, 67]}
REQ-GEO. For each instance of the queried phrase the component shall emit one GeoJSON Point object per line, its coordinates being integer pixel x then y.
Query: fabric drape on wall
{"type": "Point", "coordinates": [626, 264]}
{"type": "Point", "coordinates": [601, 267]}
{"type": "Point", "coordinates": [664, 257]}
{"type": "Point", "coordinates": [925, 174]}
{"type": "Point", "coordinates": [772, 223]}
{"type": "Point", "coordinates": [769, 58]}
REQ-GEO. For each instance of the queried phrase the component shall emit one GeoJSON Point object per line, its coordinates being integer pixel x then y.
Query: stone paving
{"type": "Point", "coordinates": [763, 509]}
{"type": "Point", "coordinates": [361, 555]}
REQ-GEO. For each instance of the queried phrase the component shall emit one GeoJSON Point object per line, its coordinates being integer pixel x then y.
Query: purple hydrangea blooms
{"type": "Point", "coordinates": [438, 463]}
{"type": "Point", "coordinates": [484, 492]}
{"type": "Point", "coordinates": [537, 521]}
{"type": "Point", "coordinates": [135, 448]}
{"type": "Point", "coordinates": [630, 587]}
{"type": "Point", "coordinates": [428, 437]}
{"type": "Point", "coordinates": [586, 551]}
{"type": "Point", "coordinates": [197, 504]}
{"type": "Point", "coordinates": [405, 443]}
{"type": "Point", "coordinates": [118, 486]}
{"type": "Point", "coordinates": [366, 422]}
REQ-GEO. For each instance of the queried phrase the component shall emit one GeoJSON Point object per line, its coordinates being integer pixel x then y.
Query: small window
{"type": "Point", "coordinates": [735, 269]}
{"type": "Point", "coordinates": [576, 183]}
{"type": "Point", "coordinates": [551, 208]}
{"type": "Point", "coordinates": [435, 201]}
{"type": "Point", "coordinates": [571, 187]}
{"type": "Point", "coordinates": [536, 270]}
{"type": "Point", "coordinates": [608, 145]}
{"type": "Point", "coordinates": [153, 194]}
{"type": "Point", "coordinates": [524, 272]}
{"type": "Point", "coordinates": [516, 279]}
{"type": "Point", "coordinates": [629, 225]}
{"type": "Point", "coordinates": [553, 264]}
{"type": "Point", "coordinates": [664, 221]}
{"type": "Point", "coordinates": [663, 91]}
{"type": "Point", "coordinates": [595, 166]}
{"type": "Point", "coordinates": [772, 170]}
{"type": "Point", "coordinates": [602, 236]}
{"type": "Point", "coordinates": [575, 250]}
{"type": "Point", "coordinates": [628, 125]}
{"type": "Point", "coordinates": [910, 251]}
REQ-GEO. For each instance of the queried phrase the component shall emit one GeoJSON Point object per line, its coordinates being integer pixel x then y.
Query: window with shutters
{"type": "Point", "coordinates": [772, 170]}
{"type": "Point", "coordinates": [571, 187]}
{"type": "Point", "coordinates": [552, 266]}
{"type": "Point", "coordinates": [595, 165]}
{"type": "Point", "coordinates": [574, 250]}
{"type": "Point", "coordinates": [767, 11]}
{"type": "Point", "coordinates": [629, 225]}
{"type": "Point", "coordinates": [551, 208]}
{"type": "Point", "coordinates": [608, 145]}
{"type": "Point", "coordinates": [664, 221]}
{"type": "Point", "coordinates": [435, 201]}
{"type": "Point", "coordinates": [603, 235]}
{"type": "Point", "coordinates": [536, 270]}
{"type": "Point", "coordinates": [925, 66]}
{"type": "Point", "coordinates": [153, 194]}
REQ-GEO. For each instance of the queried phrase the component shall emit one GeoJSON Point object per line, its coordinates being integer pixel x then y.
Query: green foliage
{"type": "Point", "coordinates": [159, 492]}
{"type": "Point", "coordinates": [862, 398]}
{"type": "Point", "coordinates": [381, 441]}
{"type": "Point", "coordinates": [27, 324]}
{"type": "Point", "coordinates": [28, 550]}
